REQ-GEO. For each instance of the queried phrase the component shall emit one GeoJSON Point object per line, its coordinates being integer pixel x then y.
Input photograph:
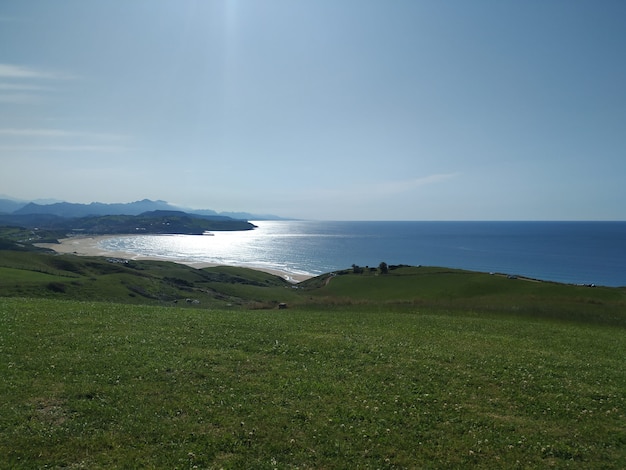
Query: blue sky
{"type": "Point", "coordinates": [325, 109]}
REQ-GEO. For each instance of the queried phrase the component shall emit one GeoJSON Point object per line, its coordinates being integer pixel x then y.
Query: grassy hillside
{"type": "Point", "coordinates": [455, 289]}
{"type": "Point", "coordinates": [159, 221]}
{"type": "Point", "coordinates": [70, 277]}
{"type": "Point", "coordinates": [105, 385]}
{"type": "Point", "coordinates": [107, 364]}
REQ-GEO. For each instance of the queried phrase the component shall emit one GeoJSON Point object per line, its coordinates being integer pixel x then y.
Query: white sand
{"type": "Point", "coordinates": [88, 246]}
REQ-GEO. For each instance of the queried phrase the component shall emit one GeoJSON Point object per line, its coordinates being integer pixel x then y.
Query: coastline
{"type": "Point", "coordinates": [564, 252]}
{"type": "Point", "coordinates": [85, 245]}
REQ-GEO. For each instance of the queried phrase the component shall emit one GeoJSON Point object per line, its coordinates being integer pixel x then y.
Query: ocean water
{"type": "Point", "coordinates": [571, 252]}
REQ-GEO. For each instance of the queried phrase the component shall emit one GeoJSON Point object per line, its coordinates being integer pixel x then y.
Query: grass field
{"type": "Point", "coordinates": [69, 277]}
{"type": "Point", "coordinates": [99, 385]}
{"type": "Point", "coordinates": [420, 368]}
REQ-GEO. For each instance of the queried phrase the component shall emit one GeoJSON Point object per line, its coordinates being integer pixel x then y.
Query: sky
{"type": "Point", "coordinates": [319, 109]}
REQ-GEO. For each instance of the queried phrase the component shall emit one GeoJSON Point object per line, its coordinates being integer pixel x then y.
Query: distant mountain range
{"type": "Point", "coordinates": [10, 206]}
{"type": "Point", "coordinates": [146, 217]}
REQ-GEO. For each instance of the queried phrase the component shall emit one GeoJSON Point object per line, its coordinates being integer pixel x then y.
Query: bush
{"type": "Point", "coordinates": [356, 269]}
{"type": "Point", "coordinates": [56, 287]}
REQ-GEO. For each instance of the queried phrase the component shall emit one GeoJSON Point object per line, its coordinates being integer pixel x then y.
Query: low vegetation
{"type": "Point", "coordinates": [108, 364]}
{"type": "Point", "coordinates": [69, 277]}
{"type": "Point", "coordinates": [159, 221]}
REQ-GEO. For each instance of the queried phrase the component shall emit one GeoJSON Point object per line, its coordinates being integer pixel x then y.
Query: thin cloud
{"type": "Point", "coordinates": [57, 133]}
{"type": "Point", "coordinates": [21, 87]}
{"type": "Point", "coordinates": [35, 133]}
{"type": "Point", "coordinates": [63, 148]}
{"type": "Point", "coordinates": [19, 98]}
{"type": "Point", "coordinates": [12, 71]}
{"type": "Point", "coordinates": [17, 71]}
{"type": "Point", "coordinates": [59, 140]}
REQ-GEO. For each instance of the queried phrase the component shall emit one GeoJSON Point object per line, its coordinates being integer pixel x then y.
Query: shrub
{"type": "Point", "coordinates": [56, 287]}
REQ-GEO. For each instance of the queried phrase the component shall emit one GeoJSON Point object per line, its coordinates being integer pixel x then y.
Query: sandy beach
{"type": "Point", "coordinates": [89, 246]}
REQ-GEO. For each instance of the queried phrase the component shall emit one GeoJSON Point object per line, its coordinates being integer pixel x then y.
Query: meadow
{"type": "Point", "coordinates": [421, 368]}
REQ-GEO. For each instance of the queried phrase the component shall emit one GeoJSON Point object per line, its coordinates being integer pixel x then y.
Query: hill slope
{"type": "Point", "coordinates": [34, 274]}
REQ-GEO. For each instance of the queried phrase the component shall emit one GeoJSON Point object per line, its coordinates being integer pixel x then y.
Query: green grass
{"type": "Point", "coordinates": [105, 385]}
{"type": "Point", "coordinates": [446, 289]}
{"type": "Point", "coordinates": [70, 277]}
{"type": "Point", "coordinates": [21, 238]}
{"type": "Point", "coordinates": [106, 365]}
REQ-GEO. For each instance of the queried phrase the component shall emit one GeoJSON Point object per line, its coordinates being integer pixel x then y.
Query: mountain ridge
{"type": "Point", "coordinates": [10, 206]}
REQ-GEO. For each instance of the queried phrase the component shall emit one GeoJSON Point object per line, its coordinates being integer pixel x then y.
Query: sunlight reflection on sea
{"type": "Point", "coordinates": [573, 252]}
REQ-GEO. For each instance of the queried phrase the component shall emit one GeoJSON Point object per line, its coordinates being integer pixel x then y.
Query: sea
{"type": "Point", "coordinates": [568, 252]}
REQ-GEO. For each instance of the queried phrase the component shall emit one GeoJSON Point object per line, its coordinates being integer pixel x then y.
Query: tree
{"type": "Point", "coordinates": [384, 269]}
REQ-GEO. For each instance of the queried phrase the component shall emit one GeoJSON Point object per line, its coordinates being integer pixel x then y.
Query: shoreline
{"type": "Point", "coordinates": [85, 245]}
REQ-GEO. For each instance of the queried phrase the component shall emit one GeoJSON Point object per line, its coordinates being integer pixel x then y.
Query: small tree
{"type": "Point", "coordinates": [384, 269]}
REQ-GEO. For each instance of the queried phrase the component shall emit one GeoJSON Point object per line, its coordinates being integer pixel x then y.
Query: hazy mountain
{"type": "Point", "coordinates": [13, 206]}
{"type": "Point", "coordinates": [68, 209]}
{"type": "Point", "coordinates": [199, 211]}
{"type": "Point", "coordinates": [8, 206]}
{"type": "Point", "coordinates": [248, 216]}
{"type": "Point", "coordinates": [232, 215]}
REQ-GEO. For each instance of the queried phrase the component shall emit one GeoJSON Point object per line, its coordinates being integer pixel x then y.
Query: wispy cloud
{"type": "Point", "coordinates": [59, 140]}
{"type": "Point", "coordinates": [23, 85]}
{"type": "Point", "coordinates": [63, 148]}
{"type": "Point", "coordinates": [58, 133]}
{"type": "Point", "coordinates": [12, 71]}
{"type": "Point", "coordinates": [19, 98]}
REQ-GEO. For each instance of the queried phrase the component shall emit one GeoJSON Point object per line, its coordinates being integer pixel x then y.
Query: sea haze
{"type": "Point", "coordinates": [571, 252]}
